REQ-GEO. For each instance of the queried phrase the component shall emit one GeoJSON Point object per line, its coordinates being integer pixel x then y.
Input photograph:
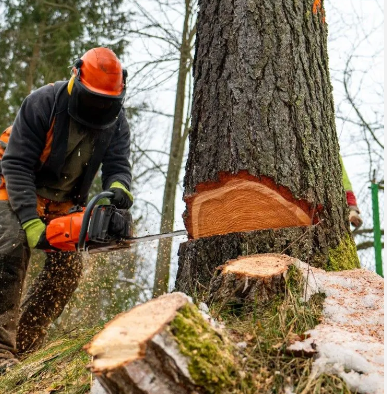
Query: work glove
{"type": "Point", "coordinates": [36, 234]}
{"type": "Point", "coordinates": [123, 198]}
{"type": "Point", "coordinates": [354, 216]}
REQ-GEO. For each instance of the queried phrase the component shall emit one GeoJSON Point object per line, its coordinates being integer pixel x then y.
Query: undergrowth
{"type": "Point", "coordinates": [59, 367]}
{"type": "Point", "coordinates": [262, 364]}
{"type": "Point", "coordinates": [266, 366]}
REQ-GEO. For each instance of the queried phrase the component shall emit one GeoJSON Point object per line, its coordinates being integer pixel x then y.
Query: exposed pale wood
{"type": "Point", "coordinates": [242, 205]}
{"type": "Point", "coordinates": [260, 266]}
{"type": "Point", "coordinates": [136, 353]}
{"type": "Point", "coordinates": [250, 280]}
{"type": "Point", "coordinates": [123, 340]}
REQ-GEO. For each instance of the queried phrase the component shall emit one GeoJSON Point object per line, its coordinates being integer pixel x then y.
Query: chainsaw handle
{"type": "Point", "coordinates": [86, 218]}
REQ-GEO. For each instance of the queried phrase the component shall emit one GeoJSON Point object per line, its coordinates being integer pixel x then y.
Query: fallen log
{"type": "Point", "coordinates": [250, 280]}
{"type": "Point", "coordinates": [163, 346]}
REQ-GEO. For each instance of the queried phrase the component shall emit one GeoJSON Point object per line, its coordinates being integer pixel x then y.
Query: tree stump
{"type": "Point", "coordinates": [161, 347]}
{"type": "Point", "coordinates": [250, 280]}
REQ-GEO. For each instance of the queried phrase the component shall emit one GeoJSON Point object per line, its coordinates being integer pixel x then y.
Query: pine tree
{"type": "Point", "coordinates": [39, 40]}
{"type": "Point", "coordinates": [263, 152]}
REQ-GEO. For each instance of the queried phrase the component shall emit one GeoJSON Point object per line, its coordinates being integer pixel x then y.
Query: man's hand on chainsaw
{"type": "Point", "coordinates": [354, 216]}
{"type": "Point", "coordinates": [121, 224]}
{"type": "Point", "coordinates": [36, 234]}
{"type": "Point", "coordinates": [123, 198]}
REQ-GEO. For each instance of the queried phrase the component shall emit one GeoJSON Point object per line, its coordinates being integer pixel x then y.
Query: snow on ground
{"type": "Point", "coordinates": [349, 341]}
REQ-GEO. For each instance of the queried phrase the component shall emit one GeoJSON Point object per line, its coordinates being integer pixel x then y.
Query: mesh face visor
{"type": "Point", "coordinates": [95, 110]}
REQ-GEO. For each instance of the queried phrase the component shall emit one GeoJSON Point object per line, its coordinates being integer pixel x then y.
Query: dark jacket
{"type": "Point", "coordinates": [21, 165]}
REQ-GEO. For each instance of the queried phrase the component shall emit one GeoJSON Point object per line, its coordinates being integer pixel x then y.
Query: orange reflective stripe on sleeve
{"type": "Point", "coordinates": [3, 195]}
{"type": "Point", "coordinates": [47, 148]}
{"type": "Point", "coordinates": [3, 191]}
{"type": "Point", "coordinates": [4, 137]}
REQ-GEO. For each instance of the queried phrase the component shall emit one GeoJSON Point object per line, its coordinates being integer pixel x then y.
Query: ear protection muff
{"type": "Point", "coordinates": [125, 75]}
{"type": "Point", "coordinates": [76, 71]}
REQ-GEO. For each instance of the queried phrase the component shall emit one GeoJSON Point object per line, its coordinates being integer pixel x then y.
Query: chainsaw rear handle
{"type": "Point", "coordinates": [86, 218]}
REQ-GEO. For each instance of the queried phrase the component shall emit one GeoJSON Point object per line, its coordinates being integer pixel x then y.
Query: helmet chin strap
{"type": "Point", "coordinates": [70, 85]}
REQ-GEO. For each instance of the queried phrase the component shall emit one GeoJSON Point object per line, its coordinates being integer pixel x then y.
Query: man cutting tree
{"type": "Point", "coordinates": [60, 137]}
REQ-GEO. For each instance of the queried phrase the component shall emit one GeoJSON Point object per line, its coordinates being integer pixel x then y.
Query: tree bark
{"type": "Point", "coordinates": [263, 112]}
{"type": "Point", "coordinates": [179, 136]}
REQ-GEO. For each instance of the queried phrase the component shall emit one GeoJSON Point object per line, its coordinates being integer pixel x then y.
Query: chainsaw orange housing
{"type": "Point", "coordinates": [63, 232]}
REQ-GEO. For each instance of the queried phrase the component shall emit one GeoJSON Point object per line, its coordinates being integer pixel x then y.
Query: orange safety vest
{"type": "Point", "coordinates": [4, 138]}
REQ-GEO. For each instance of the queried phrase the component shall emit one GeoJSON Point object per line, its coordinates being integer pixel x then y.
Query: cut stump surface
{"type": "Point", "coordinates": [136, 353]}
{"type": "Point", "coordinates": [124, 339]}
{"type": "Point", "coordinates": [250, 280]}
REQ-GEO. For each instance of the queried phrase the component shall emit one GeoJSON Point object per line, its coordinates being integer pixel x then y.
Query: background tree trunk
{"type": "Point", "coordinates": [263, 111]}
{"type": "Point", "coordinates": [179, 136]}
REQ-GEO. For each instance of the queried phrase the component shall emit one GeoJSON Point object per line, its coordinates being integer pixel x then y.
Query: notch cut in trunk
{"type": "Point", "coordinates": [242, 202]}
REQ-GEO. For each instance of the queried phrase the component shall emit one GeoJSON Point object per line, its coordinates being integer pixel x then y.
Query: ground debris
{"type": "Point", "coordinates": [349, 340]}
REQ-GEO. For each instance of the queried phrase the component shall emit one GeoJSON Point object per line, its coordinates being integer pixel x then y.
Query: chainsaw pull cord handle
{"type": "Point", "coordinates": [86, 218]}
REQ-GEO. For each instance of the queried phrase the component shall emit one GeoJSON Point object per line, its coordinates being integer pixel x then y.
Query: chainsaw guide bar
{"type": "Point", "coordinates": [93, 248]}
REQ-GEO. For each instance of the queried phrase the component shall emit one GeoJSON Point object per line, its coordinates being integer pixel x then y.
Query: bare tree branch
{"type": "Point", "coordinates": [346, 77]}
{"type": "Point", "coordinates": [365, 231]}
{"type": "Point", "coordinates": [366, 245]}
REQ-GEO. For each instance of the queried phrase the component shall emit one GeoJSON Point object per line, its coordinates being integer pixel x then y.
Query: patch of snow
{"type": "Point", "coordinates": [349, 340]}
{"type": "Point", "coordinates": [241, 345]}
{"type": "Point", "coordinates": [289, 390]}
{"type": "Point", "coordinates": [96, 388]}
{"type": "Point", "coordinates": [370, 300]}
{"type": "Point", "coordinates": [204, 308]}
{"type": "Point", "coordinates": [372, 383]}
{"type": "Point", "coordinates": [213, 322]}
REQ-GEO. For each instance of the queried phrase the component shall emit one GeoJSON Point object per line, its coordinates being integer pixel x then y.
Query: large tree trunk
{"type": "Point", "coordinates": [263, 151]}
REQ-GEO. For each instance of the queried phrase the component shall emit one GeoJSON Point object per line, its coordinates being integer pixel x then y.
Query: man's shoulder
{"type": "Point", "coordinates": [41, 98]}
{"type": "Point", "coordinates": [45, 90]}
{"type": "Point", "coordinates": [46, 98]}
{"type": "Point", "coordinates": [122, 121]}
{"type": "Point", "coordinates": [48, 91]}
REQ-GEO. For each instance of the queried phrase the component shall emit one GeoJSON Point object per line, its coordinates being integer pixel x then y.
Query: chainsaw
{"type": "Point", "coordinates": [96, 229]}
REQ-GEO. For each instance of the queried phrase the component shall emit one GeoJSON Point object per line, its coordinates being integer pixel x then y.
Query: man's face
{"type": "Point", "coordinates": [92, 109]}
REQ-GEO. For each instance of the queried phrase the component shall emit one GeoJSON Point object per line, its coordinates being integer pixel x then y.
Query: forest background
{"type": "Point", "coordinates": [39, 41]}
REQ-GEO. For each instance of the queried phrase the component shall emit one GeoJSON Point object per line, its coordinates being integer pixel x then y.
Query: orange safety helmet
{"type": "Point", "coordinates": [97, 88]}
